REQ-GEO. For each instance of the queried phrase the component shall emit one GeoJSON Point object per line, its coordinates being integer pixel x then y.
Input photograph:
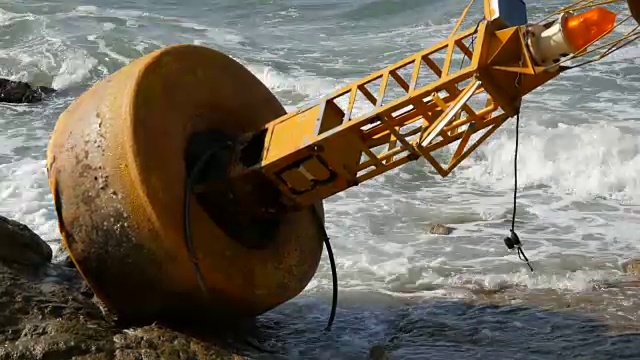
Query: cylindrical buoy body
{"type": "Point", "coordinates": [634, 9]}
{"type": "Point", "coordinates": [116, 169]}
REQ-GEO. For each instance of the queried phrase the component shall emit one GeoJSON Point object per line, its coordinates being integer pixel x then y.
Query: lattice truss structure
{"type": "Point", "coordinates": [439, 104]}
{"type": "Point", "coordinates": [430, 102]}
{"type": "Point", "coordinates": [423, 104]}
{"type": "Point", "coordinates": [427, 102]}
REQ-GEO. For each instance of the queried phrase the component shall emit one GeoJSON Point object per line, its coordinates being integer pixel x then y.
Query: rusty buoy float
{"type": "Point", "coordinates": [116, 163]}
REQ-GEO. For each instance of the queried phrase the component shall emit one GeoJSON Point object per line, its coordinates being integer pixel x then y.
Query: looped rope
{"type": "Point", "coordinates": [513, 241]}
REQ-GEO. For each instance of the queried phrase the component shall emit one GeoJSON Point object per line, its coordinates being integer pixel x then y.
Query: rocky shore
{"type": "Point", "coordinates": [48, 312]}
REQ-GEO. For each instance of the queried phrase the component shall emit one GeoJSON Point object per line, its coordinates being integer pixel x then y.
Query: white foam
{"type": "Point", "coordinates": [45, 57]}
{"type": "Point", "coordinates": [87, 9]}
{"type": "Point", "coordinates": [90, 10]}
{"type": "Point", "coordinates": [302, 86]}
{"type": "Point", "coordinates": [74, 69]}
{"type": "Point", "coordinates": [587, 160]}
{"type": "Point", "coordinates": [8, 18]}
{"type": "Point", "coordinates": [25, 196]}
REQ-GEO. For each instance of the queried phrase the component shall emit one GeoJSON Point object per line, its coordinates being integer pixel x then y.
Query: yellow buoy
{"type": "Point", "coordinates": [117, 168]}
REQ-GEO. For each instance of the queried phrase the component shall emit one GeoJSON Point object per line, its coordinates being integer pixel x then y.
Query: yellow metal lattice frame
{"type": "Point", "coordinates": [327, 147]}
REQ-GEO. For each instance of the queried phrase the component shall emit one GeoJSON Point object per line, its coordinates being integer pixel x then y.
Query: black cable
{"type": "Point", "coordinates": [334, 272]}
{"type": "Point", "coordinates": [334, 279]}
{"type": "Point", "coordinates": [515, 173]}
{"type": "Point", "coordinates": [188, 186]}
{"type": "Point", "coordinates": [513, 240]}
{"type": "Point", "coordinates": [472, 43]}
{"type": "Point", "coordinates": [191, 177]}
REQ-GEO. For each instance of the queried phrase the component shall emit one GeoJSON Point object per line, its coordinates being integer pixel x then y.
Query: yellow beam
{"type": "Point", "coordinates": [326, 148]}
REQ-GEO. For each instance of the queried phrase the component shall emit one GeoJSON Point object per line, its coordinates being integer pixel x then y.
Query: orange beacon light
{"type": "Point", "coordinates": [570, 34]}
{"type": "Point", "coordinates": [583, 29]}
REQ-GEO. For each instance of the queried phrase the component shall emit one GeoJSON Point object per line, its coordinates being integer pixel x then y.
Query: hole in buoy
{"type": "Point", "coordinates": [251, 153]}
{"type": "Point", "coordinates": [246, 208]}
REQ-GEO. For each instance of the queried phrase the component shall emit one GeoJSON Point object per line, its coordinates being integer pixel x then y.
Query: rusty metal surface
{"type": "Point", "coordinates": [116, 170]}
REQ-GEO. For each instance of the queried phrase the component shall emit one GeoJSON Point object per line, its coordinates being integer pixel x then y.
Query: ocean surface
{"type": "Point", "coordinates": [420, 296]}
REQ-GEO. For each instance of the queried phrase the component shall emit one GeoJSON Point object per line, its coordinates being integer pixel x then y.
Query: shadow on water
{"type": "Point", "coordinates": [438, 330]}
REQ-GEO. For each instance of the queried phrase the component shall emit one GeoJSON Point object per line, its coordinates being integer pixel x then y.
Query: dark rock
{"type": "Point", "coordinates": [86, 291]}
{"type": "Point", "coordinates": [20, 245]}
{"type": "Point", "coordinates": [50, 313]}
{"type": "Point", "coordinates": [378, 352]}
{"type": "Point", "coordinates": [439, 229]}
{"type": "Point", "coordinates": [19, 92]}
{"type": "Point", "coordinates": [45, 316]}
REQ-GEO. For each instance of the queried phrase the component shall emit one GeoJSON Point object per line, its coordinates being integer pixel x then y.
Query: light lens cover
{"type": "Point", "coordinates": [580, 30]}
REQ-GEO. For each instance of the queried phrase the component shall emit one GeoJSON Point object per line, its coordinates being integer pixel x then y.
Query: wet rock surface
{"type": "Point", "coordinates": [20, 245]}
{"type": "Point", "coordinates": [378, 352]}
{"type": "Point", "coordinates": [19, 92]}
{"type": "Point", "coordinates": [439, 229]}
{"type": "Point", "coordinates": [632, 267]}
{"type": "Point", "coordinates": [48, 312]}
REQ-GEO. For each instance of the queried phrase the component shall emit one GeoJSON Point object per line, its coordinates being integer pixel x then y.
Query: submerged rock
{"type": "Point", "coordinates": [439, 229]}
{"type": "Point", "coordinates": [378, 352]}
{"type": "Point", "coordinates": [48, 312]}
{"type": "Point", "coordinates": [632, 267]}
